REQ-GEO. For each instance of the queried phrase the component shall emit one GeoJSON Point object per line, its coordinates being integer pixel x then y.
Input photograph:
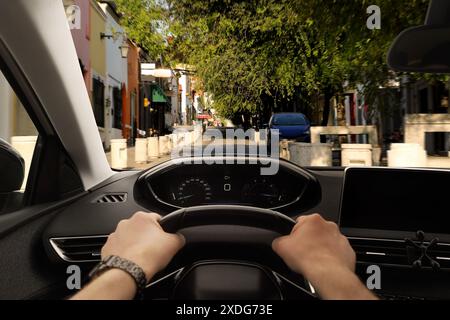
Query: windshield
{"type": "Point", "coordinates": [160, 73]}
{"type": "Point", "coordinates": [289, 120]}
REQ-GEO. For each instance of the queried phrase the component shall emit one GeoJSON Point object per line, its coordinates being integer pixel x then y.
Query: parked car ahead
{"type": "Point", "coordinates": [291, 126]}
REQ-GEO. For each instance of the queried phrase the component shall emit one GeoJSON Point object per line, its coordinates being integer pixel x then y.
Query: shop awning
{"type": "Point", "coordinates": [203, 116]}
{"type": "Point", "coordinates": [158, 95]}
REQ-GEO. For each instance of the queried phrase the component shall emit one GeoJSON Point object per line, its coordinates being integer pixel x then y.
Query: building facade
{"type": "Point", "coordinates": [98, 66]}
{"type": "Point", "coordinates": [187, 101]}
{"type": "Point", "coordinates": [79, 15]}
{"type": "Point", "coordinates": [116, 73]}
{"type": "Point", "coordinates": [131, 116]}
{"type": "Point", "coordinates": [431, 98]}
{"type": "Point", "coordinates": [112, 76]}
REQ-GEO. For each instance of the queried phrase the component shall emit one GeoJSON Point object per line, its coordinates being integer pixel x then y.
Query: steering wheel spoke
{"type": "Point", "coordinates": [223, 279]}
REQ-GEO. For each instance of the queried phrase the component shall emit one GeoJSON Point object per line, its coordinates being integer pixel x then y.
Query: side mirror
{"type": "Point", "coordinates": [424, 49]}
{"type": "Point", "coordinates": [12, 168]}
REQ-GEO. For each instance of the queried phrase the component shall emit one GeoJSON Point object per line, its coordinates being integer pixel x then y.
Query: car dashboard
{"type": "Point", "coordinates": [77, 232]}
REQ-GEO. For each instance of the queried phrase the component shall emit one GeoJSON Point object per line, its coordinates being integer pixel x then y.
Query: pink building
{"type": "Point", "coordinates": [81, 36]}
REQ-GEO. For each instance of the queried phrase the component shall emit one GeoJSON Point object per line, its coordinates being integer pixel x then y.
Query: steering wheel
{"type": "Point", "coordinates": [227, 215]}
{"type": "Point", "coordinates": [230, 279]}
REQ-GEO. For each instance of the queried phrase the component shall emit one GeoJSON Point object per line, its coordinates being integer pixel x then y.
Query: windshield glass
{"type": "Point", "coordinates": [153, 67]}
{"type": "Point", "coordinates": [289, 120]}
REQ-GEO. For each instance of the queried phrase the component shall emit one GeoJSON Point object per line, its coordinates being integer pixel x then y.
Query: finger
{"type": "Point", "coordinates": [121, 224]}
{"type": "Point", "coordinates": [298, 225]}
{"type": "Point", "coordinates": [315, 217]}
{"type": "Point", "coordinates": [278, 244]}
{"type": "Point", "coordinates": [156, 217]}
{"type": "Point", "coordinates": [139, 213]}
{"type": "Point", "coordinates": [333, 227]}
{"type": "Point", "coordinates": [300, 221]}
{"type": "Point", "coordinates": [111, 235]}
{"type": "Point", "coordinates": [148, 217]}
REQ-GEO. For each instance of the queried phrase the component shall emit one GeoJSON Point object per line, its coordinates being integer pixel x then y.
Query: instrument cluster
{"type": "Point", "coordinates": [185, 185]}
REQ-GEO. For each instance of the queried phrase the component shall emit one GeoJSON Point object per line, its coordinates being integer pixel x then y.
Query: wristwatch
{"type": "Point", "coordinates": [115, 262]}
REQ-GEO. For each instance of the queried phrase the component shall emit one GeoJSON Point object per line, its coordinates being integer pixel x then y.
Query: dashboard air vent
{"type": "Point", "coordinates": [396, 252]}
{"type": "Point", "coordinates": [442, 255]}
{"type": "Point", "coordinates": [79, 249]}
{"type": "Point", "coordinates": [376, 251]}
{"type": "Point", "coordinates": [112, 198]}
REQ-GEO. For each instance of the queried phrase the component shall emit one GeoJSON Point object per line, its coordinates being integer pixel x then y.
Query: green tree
{"type": "Point", "coordinates": [146, 22]}
{"type": "Point", "coordinates": [255, 56]}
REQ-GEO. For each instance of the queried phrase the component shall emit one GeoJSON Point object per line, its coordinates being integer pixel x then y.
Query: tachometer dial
{"type": "Point", "coordinates": [193, 191]}
{"type": "Point", "coordinates": [262, 193]}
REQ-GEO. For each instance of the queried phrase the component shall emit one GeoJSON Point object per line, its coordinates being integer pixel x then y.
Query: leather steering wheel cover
{"type": "Point", "coordinates": [227, 215]}
{"type": "Point", "coordinates": [230, 215]}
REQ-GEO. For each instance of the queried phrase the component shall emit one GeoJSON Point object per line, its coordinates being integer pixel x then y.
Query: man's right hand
{"type": "Point", "coordinates": [317, 250]}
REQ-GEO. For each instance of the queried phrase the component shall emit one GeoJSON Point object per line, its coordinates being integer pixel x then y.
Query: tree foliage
{"type": "Point", "coordinates": [255, 55]}
{"type": "Point", "coordinates": [146, 23]}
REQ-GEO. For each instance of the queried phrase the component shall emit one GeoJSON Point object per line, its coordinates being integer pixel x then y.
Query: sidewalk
{"type": "Point", "coordinates": [433, 162]}
{"type": "Point", "coordinates": [131, 163]}
{"type": "Point", "coordinates": [143, 166]}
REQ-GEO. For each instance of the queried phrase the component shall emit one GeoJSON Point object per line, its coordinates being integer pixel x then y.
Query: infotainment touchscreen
{"type": "Point", "coordinates": [396, 200]}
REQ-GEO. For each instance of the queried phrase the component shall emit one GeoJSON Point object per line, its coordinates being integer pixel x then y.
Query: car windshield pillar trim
{"type": "Point", "coordinates": [43, 27]}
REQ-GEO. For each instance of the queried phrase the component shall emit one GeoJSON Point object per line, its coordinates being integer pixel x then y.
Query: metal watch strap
{"type": "Point", "coordinates": [116, 262]}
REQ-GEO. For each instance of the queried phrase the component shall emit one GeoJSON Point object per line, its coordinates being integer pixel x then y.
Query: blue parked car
{"type": "Point", "coordinates": [292, 126]}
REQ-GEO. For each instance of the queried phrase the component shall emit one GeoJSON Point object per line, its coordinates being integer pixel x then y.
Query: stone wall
{"type": "Point", "coordinates": [417, 125]}
{"type": "Point", "coordinates": [371, 131]}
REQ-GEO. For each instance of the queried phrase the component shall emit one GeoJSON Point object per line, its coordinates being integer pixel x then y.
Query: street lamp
{"type": "Point", "coordinates": [124, 48]}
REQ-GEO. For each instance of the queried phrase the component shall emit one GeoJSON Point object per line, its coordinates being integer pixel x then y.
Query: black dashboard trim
{"type": "Point", "coordinates": [312, 181]}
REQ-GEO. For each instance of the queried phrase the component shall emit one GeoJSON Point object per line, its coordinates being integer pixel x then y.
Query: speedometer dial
{"type": "Point", "coordinates": [193, 191]}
